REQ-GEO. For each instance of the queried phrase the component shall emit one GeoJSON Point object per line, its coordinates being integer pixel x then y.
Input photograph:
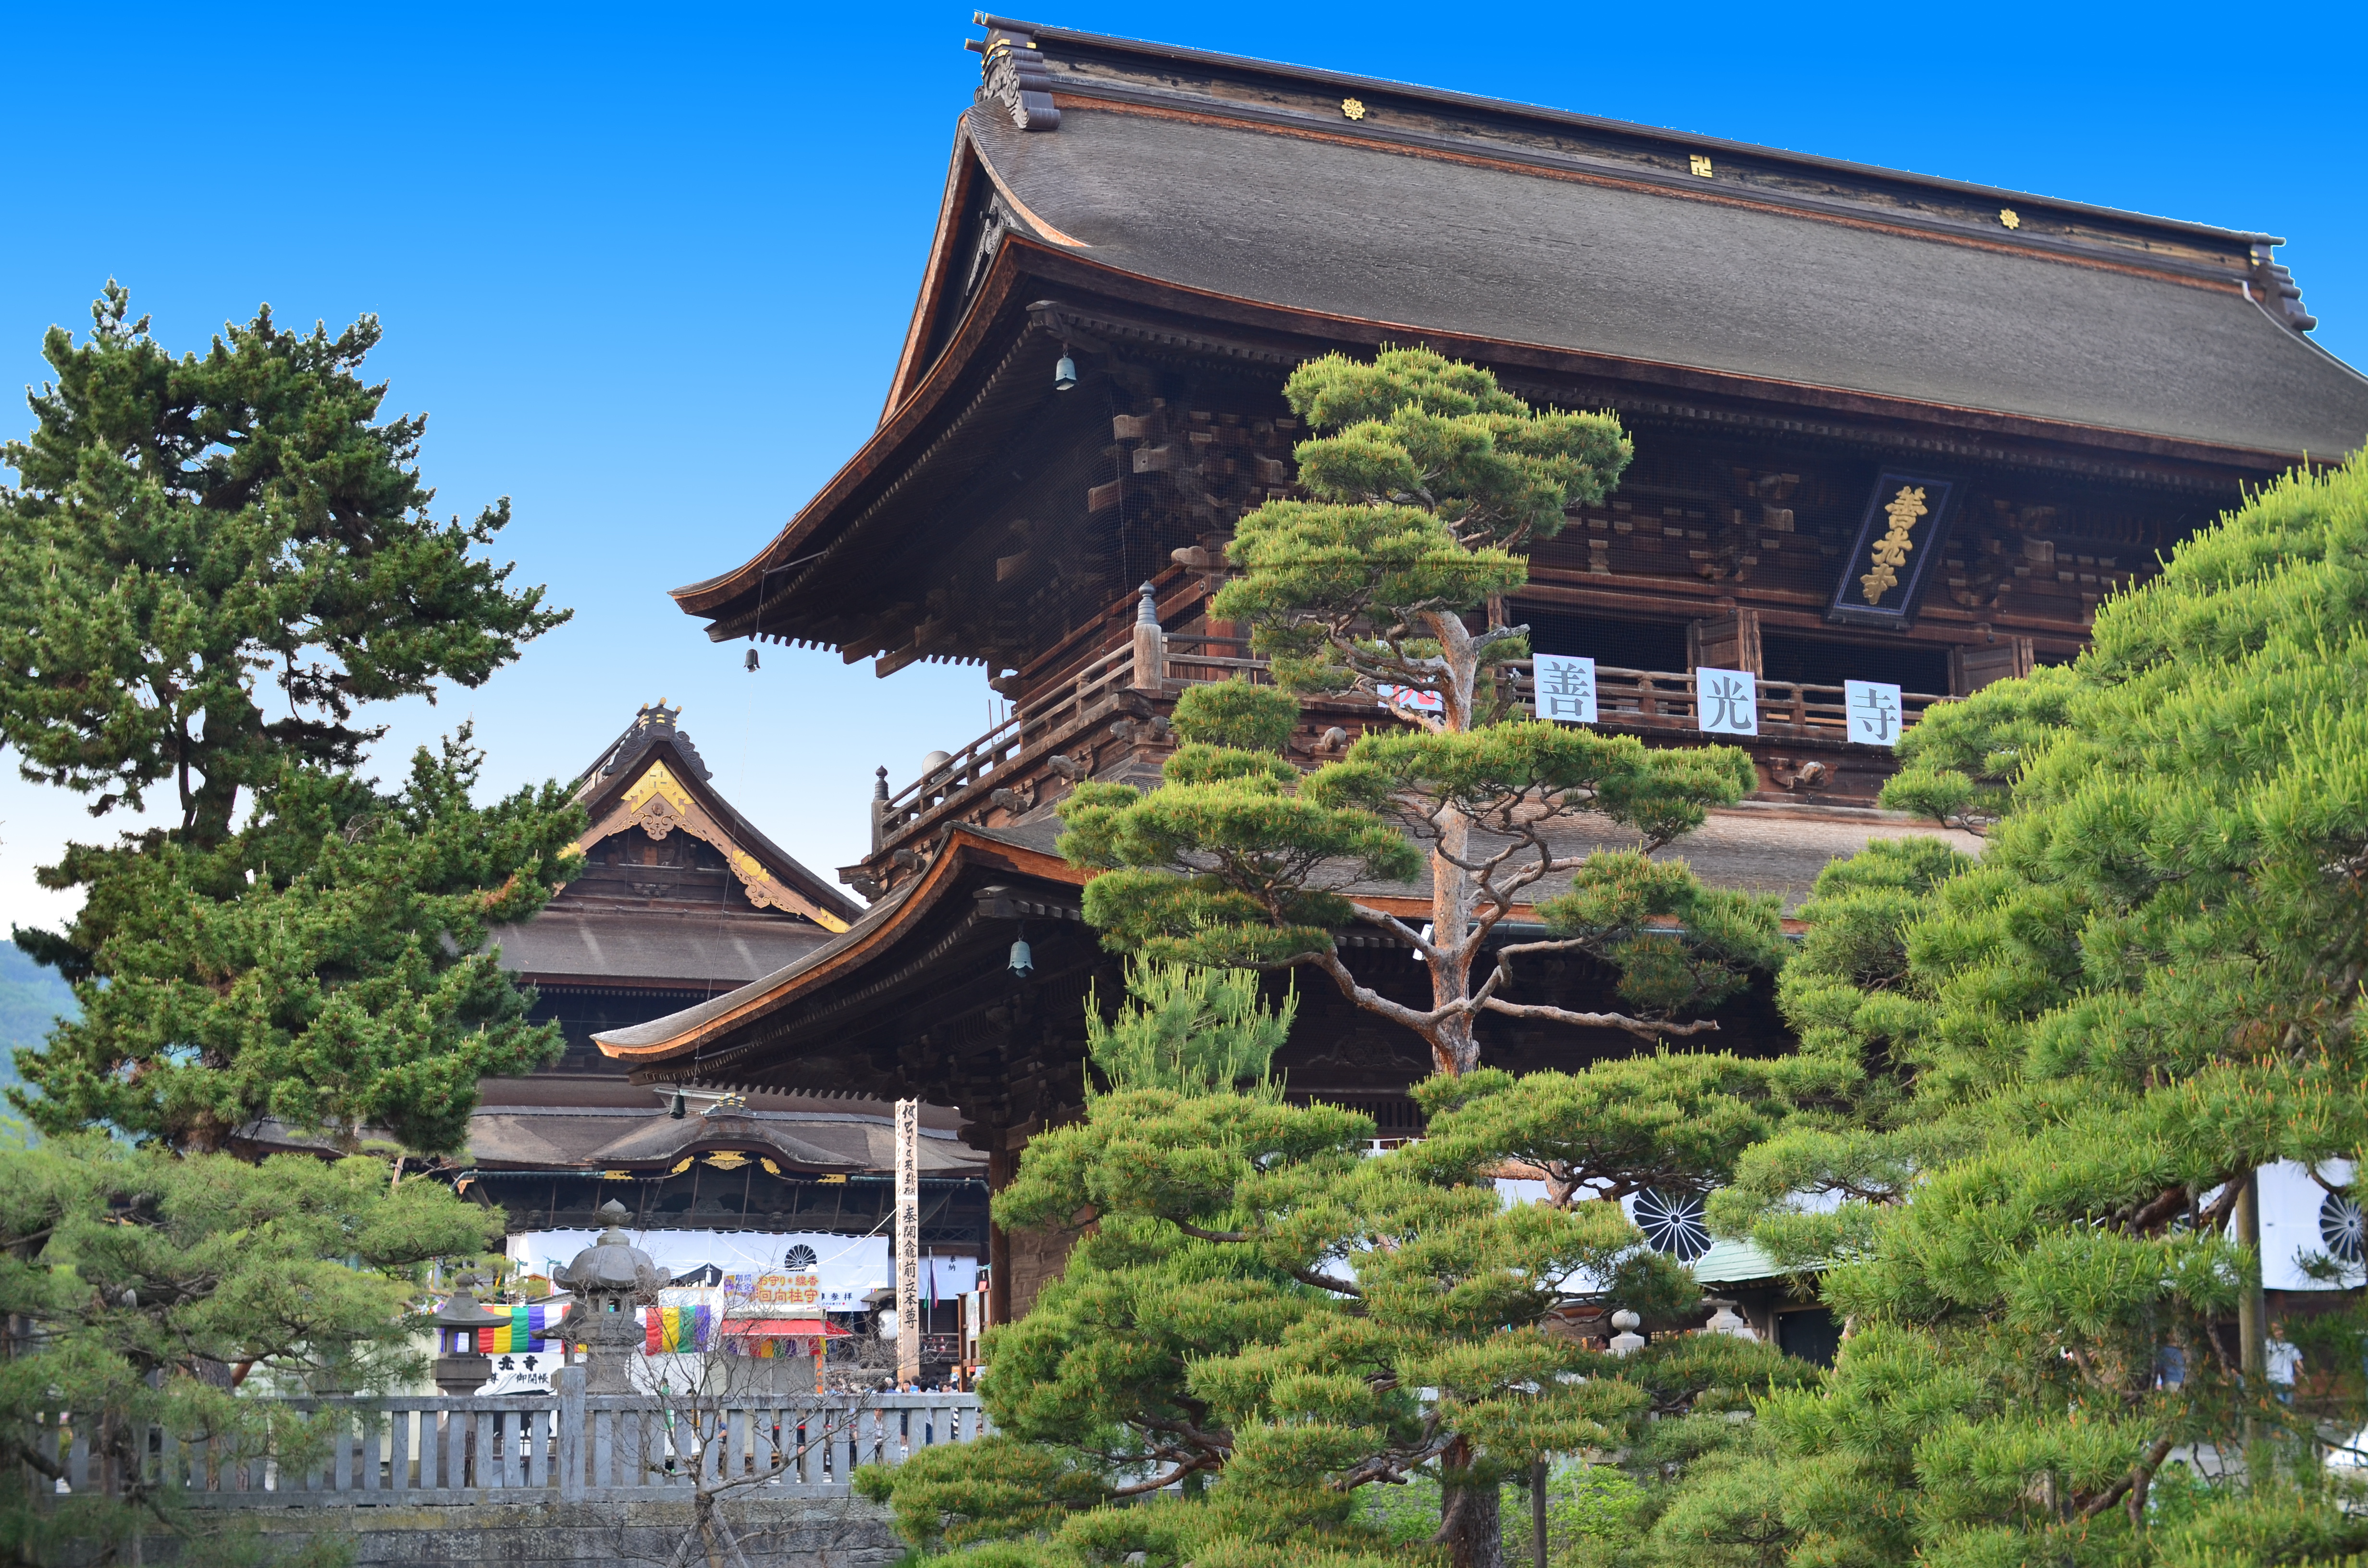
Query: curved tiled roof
{"type": "Point", "coordinates": [1231, 209]}
{"type": "Point", "coordinates": [657, 948]}
{"type": "Point", "coordinates": [578, 1122]}
{"type": "Point", "coordinates": [1492, 241]}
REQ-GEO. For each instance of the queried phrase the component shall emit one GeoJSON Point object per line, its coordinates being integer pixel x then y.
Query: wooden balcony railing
{"type": "Point", "coordinates": [1664, 699]}
{"type": "Point", "coordinates": [986, 762]}
{"type": "Point", "coordinates": [1015, 750]}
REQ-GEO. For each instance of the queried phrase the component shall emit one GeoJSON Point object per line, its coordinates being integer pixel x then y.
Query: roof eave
{"type": "Point", "coordinates": [964, 846]}
{"type": "Point", "coordinates": [761, 997]}
{"type": "Point", "coordinates": [908, 418]}
{"type": "Point", "coordinates": [1037, 262]}
{"type": "Point", "coordinates": [962, 164]}
{"type": "Point", "coordinates": [1058, 269]}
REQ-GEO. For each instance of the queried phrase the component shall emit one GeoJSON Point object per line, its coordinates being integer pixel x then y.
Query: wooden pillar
{"type": "Point", "coordinates": [1730, 642]}
{"type": "Point", "coordinates": [1000, 1165]}
{"type": "Point", "coordinates": [1970, 669]}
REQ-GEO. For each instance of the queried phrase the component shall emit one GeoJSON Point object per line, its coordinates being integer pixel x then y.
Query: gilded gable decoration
{"type": "Point", "coordinates": [656, 799]}
{"type": "Point", "coordinates": [666, 787]}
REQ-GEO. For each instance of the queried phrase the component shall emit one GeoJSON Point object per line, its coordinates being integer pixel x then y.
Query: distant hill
{"type": "Point", "coordinates": [31, 998]}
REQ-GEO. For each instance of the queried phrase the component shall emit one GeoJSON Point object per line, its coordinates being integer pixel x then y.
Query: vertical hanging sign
{"type": "Point", "coordinates": [1566, 688]}
{"type": "Point", "coordinates": [1726, 703]}
{"type": "Point", "coordinates": [1897, 542]}
{"type": "Point", "coordinates": [1872, 710]}
{"type": "Point", "coordinates": [909, 1325]}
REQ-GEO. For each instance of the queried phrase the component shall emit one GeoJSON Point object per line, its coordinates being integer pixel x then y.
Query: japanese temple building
{"type": "Point", "coordinates": [681, 899]}
{"type": "Point", "coordinates": [1135, 245]}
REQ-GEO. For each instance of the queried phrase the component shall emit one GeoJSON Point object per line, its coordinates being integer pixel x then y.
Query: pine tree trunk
{"type": "Point", "coordinates": [1455, 1050]}
{"type": "Point", "coordinates": [2252, 1319]}
{"type": "Point", "coordinates": [2252, 1308]}
{"type": "Point", "coordinates": [1478, 1539]}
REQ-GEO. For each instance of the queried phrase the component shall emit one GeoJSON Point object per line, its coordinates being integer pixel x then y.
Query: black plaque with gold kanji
{"type": "Point", "coordinates": [1897, 542]}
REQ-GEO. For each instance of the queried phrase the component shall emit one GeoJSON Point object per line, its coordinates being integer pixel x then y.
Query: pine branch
{"type": "Point", "coordinates": [1643, 1029]}
{"type": "Point", "coordinates": [2140, 1474]}
{"type": "Point", "coordinates": [1144, 1488]}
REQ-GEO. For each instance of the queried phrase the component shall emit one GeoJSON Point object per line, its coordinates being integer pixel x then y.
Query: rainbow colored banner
{"type": "Point", "coordinates": [524, 1333]}
{"type": "Point", "coordinates": [677, 1328]}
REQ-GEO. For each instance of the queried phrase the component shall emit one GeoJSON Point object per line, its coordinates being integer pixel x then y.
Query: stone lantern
{"type": "Point", "coordinates": [1727, 1321]}
{"type": "Point", "coordinates": [608, 1278]}
{"type": "Point", "coordinates": [1627, 1342]}
{"type": "Point", "coordinates": [459, 1368]}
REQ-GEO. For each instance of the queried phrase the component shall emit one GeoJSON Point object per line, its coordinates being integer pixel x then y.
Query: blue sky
{"type": "Point", "coordinates": [647, 269]}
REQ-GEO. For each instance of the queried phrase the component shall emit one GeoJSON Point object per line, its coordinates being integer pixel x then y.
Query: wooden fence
{"type": "Point", "coordinates": [567, 1446]}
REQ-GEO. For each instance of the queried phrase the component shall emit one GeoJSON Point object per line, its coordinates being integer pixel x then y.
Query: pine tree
{"type": "Point", "coordinates": [1192, 1030]}
{"type": "Point", "coordinates": [1270, 1316]}
{"type": "Point", "coordinates": [326, 966]}
{"type": "Point", "coordinates": [146, 1289]}
{"type": "Point", "coordinates": [209, 565]}
{"type": "Point", "coordinates": [2062, 1065]}
{"type": "Point", "coordinates": [1429, 480]}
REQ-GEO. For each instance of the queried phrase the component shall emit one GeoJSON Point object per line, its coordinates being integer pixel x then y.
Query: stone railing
{"type": "Point", "coordinates": [571, 1446]}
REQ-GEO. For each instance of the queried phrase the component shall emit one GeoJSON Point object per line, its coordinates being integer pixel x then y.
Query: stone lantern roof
{"type": "Point", "coordinates": [461, 1310]}
{"type": "Point", "coordinates": [613, 1262]}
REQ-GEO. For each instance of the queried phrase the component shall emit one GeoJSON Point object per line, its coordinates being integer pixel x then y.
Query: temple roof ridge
{"type": "Point", "coordinates": [653, 723]}
{"type": "Point", "coordinates": [1062, 78]}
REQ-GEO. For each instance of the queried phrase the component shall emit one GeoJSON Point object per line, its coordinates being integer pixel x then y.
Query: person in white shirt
{"type": "Point", "coordinates": [2285, 1365]}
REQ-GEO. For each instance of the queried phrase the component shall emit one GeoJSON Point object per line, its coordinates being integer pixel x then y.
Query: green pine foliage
{"type": "Point", "coordinates": [325, 967]}
{"type": "Point", "coordinates": [1193, 1030]}
{"type": "Point", "coordinates": [1236, 860]}
{"type": "Point", "coordinates": [1263, 1312]}
{"type": "Point", "coordinates": [1426, 482]}
{"type": "Point", "coordinates": [1669, 1122]}
{"type": "Point", "coordinates": [165, 1289]}
{"type": "Point", "coordinates": [1426, 479]}
{"type": "Point", "coordinates": [1591, 1516]}
{"type": "Point", "coordinates": [184, 531]}
{"type": "Point", "coordinates": [2052, 1071]}
{"type": "Point", "coordinates": [210, 564]}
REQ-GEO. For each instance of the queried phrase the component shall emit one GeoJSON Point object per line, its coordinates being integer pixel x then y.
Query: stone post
{"type": "Point", "coordinates": [573, 1432]}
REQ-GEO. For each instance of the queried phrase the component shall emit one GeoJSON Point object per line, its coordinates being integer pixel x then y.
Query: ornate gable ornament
{"type": "Point", "coordinates": [661, 800]}
{"type": "Point", "coordinates": [652, 723]}
{"type": "Point", "coordinates": [2271, 287]}
{"type": "Point", "coordinates": [1013, 75]}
